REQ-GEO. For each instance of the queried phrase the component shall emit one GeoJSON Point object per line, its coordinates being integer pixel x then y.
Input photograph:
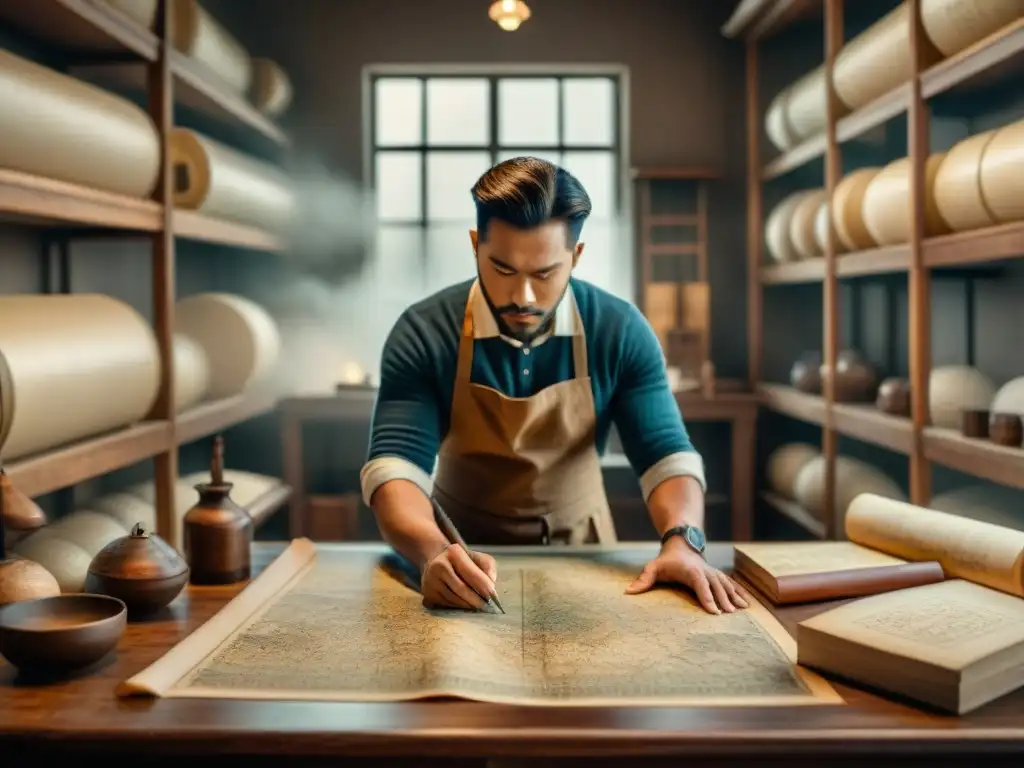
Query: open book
{"type": "Point", "coordinates": [955, 645]}
{"type": "Point", "coordinates": [801, 572]}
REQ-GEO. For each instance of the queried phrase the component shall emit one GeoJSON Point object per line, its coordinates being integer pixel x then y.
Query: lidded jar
{"type": "Point", "coordinates": [140, 569]}
{"type": "Point", "coordinates": [217, 532]}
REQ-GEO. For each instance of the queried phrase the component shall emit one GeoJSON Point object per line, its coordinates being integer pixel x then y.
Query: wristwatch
{"type": "Point", "coordinates": [691, 534]}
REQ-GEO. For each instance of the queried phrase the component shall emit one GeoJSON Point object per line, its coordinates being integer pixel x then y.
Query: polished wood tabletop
{"type": "Point", "coordinates": [82, 715]}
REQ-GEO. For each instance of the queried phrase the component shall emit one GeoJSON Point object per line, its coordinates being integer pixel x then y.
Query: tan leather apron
{"type": "Point", "coordinates": [523, 470]}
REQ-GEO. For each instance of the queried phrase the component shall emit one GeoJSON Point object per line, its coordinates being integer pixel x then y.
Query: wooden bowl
{"type": "Point", "coordinates": [61, 634]}
{"type": "Point", "coordinates": [1006, 429]}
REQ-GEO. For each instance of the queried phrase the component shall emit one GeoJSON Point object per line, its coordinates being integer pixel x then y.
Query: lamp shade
{"type": "Point", "coordinates": [509, 14]}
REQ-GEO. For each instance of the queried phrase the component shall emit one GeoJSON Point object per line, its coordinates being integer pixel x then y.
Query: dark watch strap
{"type": "Point", "coordinates": [692, 535]}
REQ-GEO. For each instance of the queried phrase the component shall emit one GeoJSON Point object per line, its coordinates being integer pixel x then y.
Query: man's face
{"type": "Point", "coordinates": [524, 273]}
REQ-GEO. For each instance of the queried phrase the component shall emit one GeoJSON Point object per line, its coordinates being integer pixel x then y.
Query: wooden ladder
{"type": "Point", "coordinates": [678, 310]}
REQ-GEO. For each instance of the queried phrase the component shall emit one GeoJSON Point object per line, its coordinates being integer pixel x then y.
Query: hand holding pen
{"type": "Point", "coordinates": [458, 577]}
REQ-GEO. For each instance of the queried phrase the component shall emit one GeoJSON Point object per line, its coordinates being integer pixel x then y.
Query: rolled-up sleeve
{"type": "Point", "coordinates": [405, 432]}
{"type": "Point", "coordinates": [646, 414]}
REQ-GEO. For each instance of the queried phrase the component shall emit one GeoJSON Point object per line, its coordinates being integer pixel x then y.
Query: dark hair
{"type": "Point", "coordinates": [527, 192]}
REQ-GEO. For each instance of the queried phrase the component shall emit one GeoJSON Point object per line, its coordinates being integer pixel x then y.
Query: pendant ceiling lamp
{"type": "Point", "coordinates": [509, 14]}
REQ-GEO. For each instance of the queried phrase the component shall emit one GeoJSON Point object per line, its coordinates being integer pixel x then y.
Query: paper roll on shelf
{"type": "Point", "coordinates": [953, 389]}
{"type": "Point", "coordinates": [958, 193]}
{"type": "Point", "coordinates": [953, 25]}
{"type": "Point", "coordinates": [202, 38]}
{"type": "Point", "coordinates": [1010, 399]}
{"type": "Point", "coordinates": [852, 478]}
{"type": "Point", "coordinates": [1002, 174]}
{"type": "Point", "coordinates": [127, 509]}
{"type": "Point", "coordinates": [191, 372]}
{"type": "Point", "coordinates": [79, 365]}
{"type": "Point", "coordinates": [784, 465]}
{"type": "Point", "coordinates": [198, 35]}
{"type": "Point", "coordinates": [58, 127]}
{"type": "Point", "coordinates": [778, 241]}
{"type": "Point", "coordinates": [805, 106]}
{"type": "Point", "coordinates": [219, 181]}
{"type": "Point", "coordinates": [776, 122]}
{"type": "Point", "coordinates": [240, 339]}
{"type": "Point", "coordinates": [142, 12]}
{"type": "Point", "coordinates": [887, 199]}
{"type": "Point", "coordinates": [821, 225]}
{"type": "Point", "coordinates": [271, 91]}
{"type": "Point", "coordinates": [875, 61]}
{"type": "Point", "coordinates": [66, 561]}
{"type": "Point", "coordinates": [801, 225]}
{"type": "Point", "coordinates": [848, 210]}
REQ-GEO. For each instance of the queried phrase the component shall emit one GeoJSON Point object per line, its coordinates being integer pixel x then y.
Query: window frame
{"type": "Point", "coordinates": [619, 140]}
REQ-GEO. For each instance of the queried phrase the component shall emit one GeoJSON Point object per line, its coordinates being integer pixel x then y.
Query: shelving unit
{"type": "Point", "coordinates": [1001, 55]}
{"type": "Point", "coordinates": [91, 32]}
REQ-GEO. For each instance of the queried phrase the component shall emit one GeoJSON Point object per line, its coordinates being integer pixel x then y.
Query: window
{"type": "Point", "coordinates": [433, 136]}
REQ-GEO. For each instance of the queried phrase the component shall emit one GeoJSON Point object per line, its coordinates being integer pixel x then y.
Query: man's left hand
{"type": "Point", "coordinates": [679, 564]}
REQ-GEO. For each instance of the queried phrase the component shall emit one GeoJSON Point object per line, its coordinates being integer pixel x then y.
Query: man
{"type": "Point", "coordinates": [512, 382]}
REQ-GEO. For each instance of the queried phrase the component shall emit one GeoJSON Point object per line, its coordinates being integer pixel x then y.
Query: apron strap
{"type": "Point", "coordinates": [464, 367]}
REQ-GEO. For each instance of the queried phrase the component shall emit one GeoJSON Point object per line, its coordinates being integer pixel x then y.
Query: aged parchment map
{"type": "Point", "coordinates": [340, 631]}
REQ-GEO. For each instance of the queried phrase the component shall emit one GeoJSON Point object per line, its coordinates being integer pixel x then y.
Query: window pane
{"type": "Point", "coordinates": [458, 112]}
{"type": "Point", "coordinates": [398, 111]}
{"type": "Point", "coordinates": [589, 112]}
{"type": "Point", "coordinates": [397, 181]}
{"type": "Point", "coordinates": [528, 112]}
{"type": "Point", "coordinates": [397, 267]}
{"type": "Point", "coordinates": [450, 176]}
{"type": "Point", "coordinates": [450, 257]}
{"type": "Point", "coordinates": [597, 172]}
{"type": "Point", "coordinates": [606, 260]}
{"type": "Point", "coordinates": [543, 154]}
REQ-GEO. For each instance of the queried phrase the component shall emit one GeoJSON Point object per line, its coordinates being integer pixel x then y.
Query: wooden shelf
{"type": "Point", "coordinates": [807, 271]}
{"type": "Point", "coordinates": [32, 199]}
{"type": "Point", "coordinates": [971, 456]}
{"type": "Point", "coordinates": [201, 90]}
{"type": "Point", "coordinates": [978, 246]}
{"type": "Point", "coordinates": [91, 30]}
{"type": "Point", "coordinates": [197, 89]}
{"type": "Point", "coordinates": [796, 513]}
{"type": "Point", "coordinates": [792, 402]}
{"type": "Point", "coordinates": [195, 226]}
{"type": "Point", "coordinates": [998, 56]}
{"type": "Point", "coordinates": [68, 465]}
{"type": "Point", "coordinates": [960, 249]}
{"type": "Point", "coordinates": [217, 415]}
{"type": "Point", "coordinates": [866, 423]}
{"type": "Point", "coordinates": [268, 503]}
{"type": "Point", "coordinates": [79, 27]}
{"type": "Point", "coordinates": [799, 155]}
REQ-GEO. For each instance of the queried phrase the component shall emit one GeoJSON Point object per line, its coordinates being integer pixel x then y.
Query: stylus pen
{"type": "Point", "coordinates": [452, 534]}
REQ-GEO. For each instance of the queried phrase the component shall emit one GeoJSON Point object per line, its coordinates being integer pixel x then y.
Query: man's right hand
{"type": "Point", "coordinates": [455, 578]}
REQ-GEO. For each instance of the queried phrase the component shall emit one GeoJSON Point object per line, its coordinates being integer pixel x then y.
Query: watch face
{"type": "Point", "coordinates": [695, 537]}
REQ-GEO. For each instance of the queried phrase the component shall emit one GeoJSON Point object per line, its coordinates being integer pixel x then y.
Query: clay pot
{"type": "Point", "coordinates": [894, 397]}
{"type": "Point", "coordinates": [805, 375]}
{"type": "Point", "coordinates": [855, 380]}
{"type": "Point", "coordinates": [141, 569]}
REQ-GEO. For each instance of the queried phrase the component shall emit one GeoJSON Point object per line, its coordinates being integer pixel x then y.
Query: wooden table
{"type": "Point", "coordinates": [739, 409]}
{"type": "Point", "coordinates": [82, 717]}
